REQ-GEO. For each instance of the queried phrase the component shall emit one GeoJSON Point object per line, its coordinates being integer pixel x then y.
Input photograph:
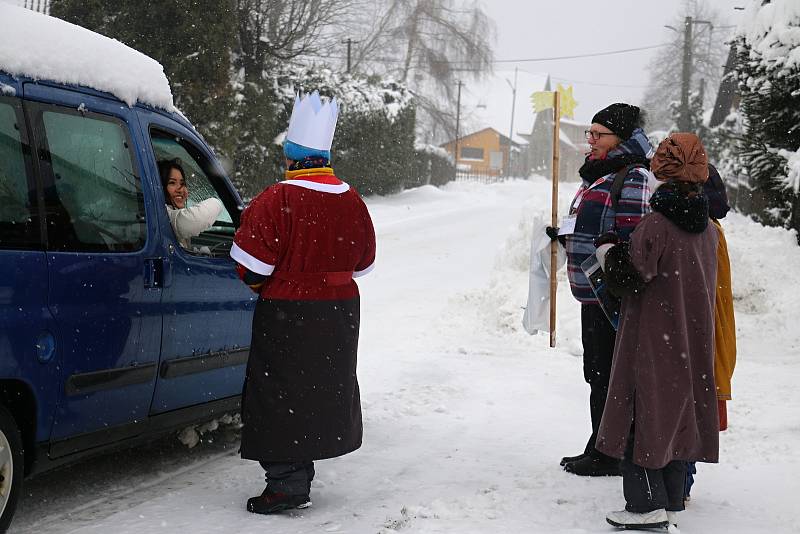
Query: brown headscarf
{"type": "Point", "coordinates": [682, 157]}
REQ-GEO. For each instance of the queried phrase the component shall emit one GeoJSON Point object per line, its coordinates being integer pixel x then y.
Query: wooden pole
{"type": "Point", "coordinates": [554, 215]}
{"type": "Point", "coordinates": [458, 120]}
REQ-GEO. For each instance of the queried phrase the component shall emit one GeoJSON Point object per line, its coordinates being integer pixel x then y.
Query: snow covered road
{"type": "Point", "coordinates": [465, 415]}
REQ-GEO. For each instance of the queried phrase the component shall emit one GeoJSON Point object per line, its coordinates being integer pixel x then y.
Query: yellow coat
{"type": "Point", "coordinates": [724, 322]}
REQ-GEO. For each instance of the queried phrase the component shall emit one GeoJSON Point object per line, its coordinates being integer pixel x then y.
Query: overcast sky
{"type": "Point", "coordinates": [541, 28]}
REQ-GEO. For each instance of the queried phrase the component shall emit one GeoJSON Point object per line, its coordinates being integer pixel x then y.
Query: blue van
{"type": "Point", "coordinates": [110, 331]}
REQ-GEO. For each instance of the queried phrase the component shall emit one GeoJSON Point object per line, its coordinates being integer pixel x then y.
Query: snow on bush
{"type": "Point", "coordinates": [356, 95]}
{"type": "Point", "coordinates": [376, 122]}
{"type": "Point", "coordinates": [433, 150]}
{"type": "Point", "coordinates": [47, 48]}
{"type": "Point", "coordinates": [773, 33]}
{"type": "Point", "coordinates": [792, 178]}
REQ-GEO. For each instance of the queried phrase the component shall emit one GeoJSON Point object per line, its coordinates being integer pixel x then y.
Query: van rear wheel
{"type": "Point", "coordinates": [11, 467]}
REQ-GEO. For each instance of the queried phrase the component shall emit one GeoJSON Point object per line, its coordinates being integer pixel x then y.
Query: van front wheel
{"type": "Point", "coordinates": [11, 467]}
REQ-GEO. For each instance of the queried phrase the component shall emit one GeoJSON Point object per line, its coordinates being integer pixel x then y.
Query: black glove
{"type": "Point", "coordinates": [608, 237]}
{"type": "Point", "coordinates": [552, 233]}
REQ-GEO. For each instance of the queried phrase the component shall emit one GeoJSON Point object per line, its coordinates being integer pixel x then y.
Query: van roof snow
{"type": "Point", "coordinates": [46, 48]}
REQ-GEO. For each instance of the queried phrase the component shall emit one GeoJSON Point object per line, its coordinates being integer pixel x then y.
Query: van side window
{"type": "Point", "coordinates": [202, 183]}
{"type": "Point", "coordinates": [19, 220]}
{"type": "Point", "coordinates": [95, 201]}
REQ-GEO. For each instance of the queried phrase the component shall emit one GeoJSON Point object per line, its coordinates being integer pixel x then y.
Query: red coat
{"type": "Point", "coordinates": [311, 234]}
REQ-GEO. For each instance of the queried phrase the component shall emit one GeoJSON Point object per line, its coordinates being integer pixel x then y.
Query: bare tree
{"type": "Point", "coordinates": [709, 52]}
{"type": "Point", "coordinates": [427, 44]}
{"type": "Point", "coordinates": [280, 30]}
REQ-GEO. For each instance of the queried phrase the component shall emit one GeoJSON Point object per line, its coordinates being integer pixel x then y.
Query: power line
{"type": "Point", "coordinates": [572, 80]}
{"type": "Point", "coordinates": [522, 60]}
{"type": "Point", "coordinates": [595, 54]}
{"type": "Point", "coordinates": [582, 82]}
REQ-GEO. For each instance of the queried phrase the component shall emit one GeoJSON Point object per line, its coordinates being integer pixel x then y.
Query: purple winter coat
{"type": "Point", "coordinates": [662, 379]}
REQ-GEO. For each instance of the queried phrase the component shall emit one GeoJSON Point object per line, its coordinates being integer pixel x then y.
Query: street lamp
{"type": "Point", "coordinates": [458, 120]}
{"type": "Point", "coordinates": [513, 105]}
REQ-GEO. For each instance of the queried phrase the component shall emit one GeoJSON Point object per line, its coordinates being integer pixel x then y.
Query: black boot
{"type": "Point", "coordinates": [569, 459]}
{"type": "Point", "coordinates": [594, 465]}
{"type": "Point", "coordinates": [270, 502]}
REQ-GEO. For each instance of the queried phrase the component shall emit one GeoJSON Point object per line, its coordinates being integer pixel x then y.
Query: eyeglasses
{"type": "Point", "coordinates": [591, 134]}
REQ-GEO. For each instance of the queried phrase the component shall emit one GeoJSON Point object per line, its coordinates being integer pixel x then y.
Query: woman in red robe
{"type": "Point", "coordinates": [301, 243]}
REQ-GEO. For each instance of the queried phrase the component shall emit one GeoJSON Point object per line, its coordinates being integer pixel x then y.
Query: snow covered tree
{"type": "Point", "coordinates": [427, 44]}
{"type": "Point", "coordinates": [768, 69]}
{"type": "Point", "coordinates": [192, 39]}
{"type": "Point", "coordinates": [663, 95]}
{"type": "Point", "coordinates": [274, 31]}
{"type": "Point", "coordinates": [234, 67]}
{"type": "Point", "coordinates": [722, 143]}
{"type": "Point", "coordinates": [373, 148]}
{"type": "Point", "coordinates": [696, 112]}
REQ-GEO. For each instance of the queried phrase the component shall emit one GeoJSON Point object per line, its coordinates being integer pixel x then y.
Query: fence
{"type": "Point", "coordinates": [40, 6]}
{"type": "Point", "coordinates": [481, 177]}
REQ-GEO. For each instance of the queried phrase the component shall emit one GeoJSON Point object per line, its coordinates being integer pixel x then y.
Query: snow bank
{"type": "Point", "coordinates": [47, 48]}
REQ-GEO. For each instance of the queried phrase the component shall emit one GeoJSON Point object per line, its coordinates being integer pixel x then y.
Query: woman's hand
{"type": "Point", "coordinates": [604, 243]}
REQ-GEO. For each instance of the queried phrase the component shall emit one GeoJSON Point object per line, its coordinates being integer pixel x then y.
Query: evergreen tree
{"type": "Point", "coordinates": [769, 82]}
{"type": "Point", "coordinates": [242, 107]}
{"type": "Point", "coordinates": [708, 47]}
{"type": "Point", "coordinates": [192, 39]}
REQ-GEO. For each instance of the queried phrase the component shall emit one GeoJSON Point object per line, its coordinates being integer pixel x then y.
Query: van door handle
{"type": "Point", "coordinates": [154, 273]}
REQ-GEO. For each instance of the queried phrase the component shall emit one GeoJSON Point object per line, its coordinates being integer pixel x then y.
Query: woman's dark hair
{"type": "Point", "coordinates": [641, 120]}
{"type": "Point", "coordinates": [164, 168]}
{"type": "Point", "coordinates": [683, 188]}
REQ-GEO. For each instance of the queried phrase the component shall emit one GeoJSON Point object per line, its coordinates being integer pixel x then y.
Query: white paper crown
{"type": "Point", "coordinates": [313, 121]}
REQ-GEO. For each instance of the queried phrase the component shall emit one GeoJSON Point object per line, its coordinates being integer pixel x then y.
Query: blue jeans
{"type": "Point", "coordinates": [691, 470]}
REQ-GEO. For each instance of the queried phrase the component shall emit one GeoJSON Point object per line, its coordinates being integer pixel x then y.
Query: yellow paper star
{"type": "Point", "coordinates": [542, 100]}
{"type": "Point", "coordinates": [568, 102]}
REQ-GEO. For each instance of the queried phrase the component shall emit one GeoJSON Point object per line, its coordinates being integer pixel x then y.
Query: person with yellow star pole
{"type": "Point", "coordinates": [563, 104]}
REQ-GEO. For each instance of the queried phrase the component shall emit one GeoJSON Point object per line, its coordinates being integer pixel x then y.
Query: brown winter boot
{"type": "Point", "coordinates": [270, 502]}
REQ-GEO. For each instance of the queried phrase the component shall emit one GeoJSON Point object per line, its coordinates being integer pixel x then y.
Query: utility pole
{"type": "Point", "coordinates": [349, 42]}
{"type": "Point", "coordinates": [511, 128]}
{"type": "Point", "coordinates": [458, 120]}
{"type": "Point", "coordinates": [685, 118]}
{"type": "Point", "coordinates": [684, 124]}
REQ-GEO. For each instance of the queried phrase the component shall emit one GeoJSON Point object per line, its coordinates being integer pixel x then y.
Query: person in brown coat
{"type": "Point", "coordinates": [661, 410]}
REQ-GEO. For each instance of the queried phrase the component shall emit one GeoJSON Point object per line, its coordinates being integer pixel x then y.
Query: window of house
{"type": "Point", "coordinates": [19, 221]}
{"type": "Point", "coordinates": [468, 152]}
{"type": "Point", "coordinates": [202, 183]}
{"type": "Point", "coordinates": [93, 196]}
